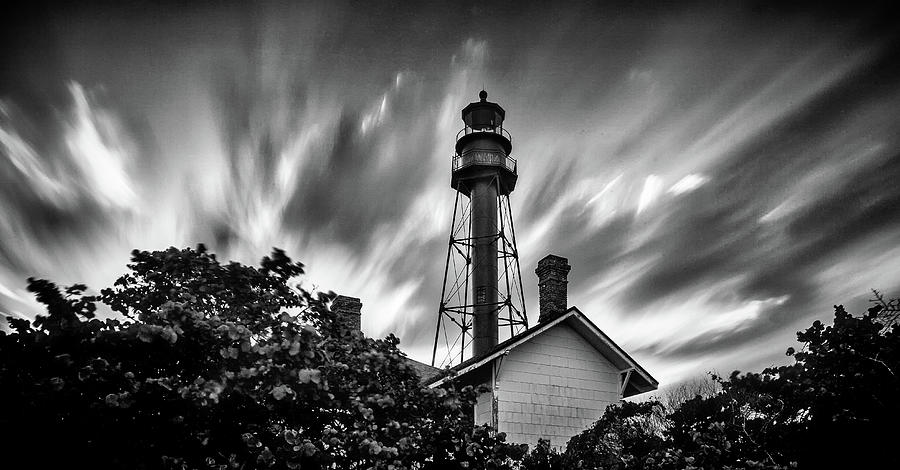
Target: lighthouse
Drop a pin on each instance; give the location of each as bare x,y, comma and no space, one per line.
482,288
549,381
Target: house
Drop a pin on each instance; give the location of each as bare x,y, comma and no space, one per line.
555,379
551,381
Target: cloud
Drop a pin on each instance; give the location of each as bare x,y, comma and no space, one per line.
92,141
688,184
652,188
716,174
65,188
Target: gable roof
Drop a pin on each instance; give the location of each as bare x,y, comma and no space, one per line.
637,379
425,371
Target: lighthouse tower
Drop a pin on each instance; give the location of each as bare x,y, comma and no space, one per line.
482,288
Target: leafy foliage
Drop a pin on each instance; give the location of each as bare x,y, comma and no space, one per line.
543,457
222,366
211,365
834,407
836,404
621,438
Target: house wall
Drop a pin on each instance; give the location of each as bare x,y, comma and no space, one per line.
554,386
483,409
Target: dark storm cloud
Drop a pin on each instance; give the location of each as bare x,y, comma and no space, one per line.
325,128
47,225
32,58
48,194
428,291
351,193
866,203
719,231
346,189
51,197
546,189
592,252
703,346
706,235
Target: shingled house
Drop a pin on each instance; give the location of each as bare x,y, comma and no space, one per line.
552,380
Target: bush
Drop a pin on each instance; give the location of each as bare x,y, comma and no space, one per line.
221,366
834,407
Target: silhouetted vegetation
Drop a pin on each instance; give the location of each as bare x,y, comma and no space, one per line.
230,366
836,406
221,366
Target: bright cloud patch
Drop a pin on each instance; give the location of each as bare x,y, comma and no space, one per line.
688,184
93,142
675,324
651,191
298,129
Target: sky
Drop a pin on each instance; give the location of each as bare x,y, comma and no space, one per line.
719,174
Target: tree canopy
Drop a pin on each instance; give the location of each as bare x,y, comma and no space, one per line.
215,365
836,406
212,365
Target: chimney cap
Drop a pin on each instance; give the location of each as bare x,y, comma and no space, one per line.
348,310
551,258
345,302
552,272
552,265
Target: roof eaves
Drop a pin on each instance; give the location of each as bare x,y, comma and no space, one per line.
501,348
652,383
573,312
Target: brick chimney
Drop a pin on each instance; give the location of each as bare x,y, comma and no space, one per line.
348,309
552,272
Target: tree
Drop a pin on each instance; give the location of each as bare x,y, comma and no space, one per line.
703,386
734,429
834,407
889,312
543,457
221,366
625,437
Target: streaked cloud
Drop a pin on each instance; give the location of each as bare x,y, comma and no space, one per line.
651,191
718,175
92,140
687,184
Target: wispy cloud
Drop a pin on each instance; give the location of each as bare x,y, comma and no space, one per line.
717,175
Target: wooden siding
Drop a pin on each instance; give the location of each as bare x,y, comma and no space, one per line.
554,386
